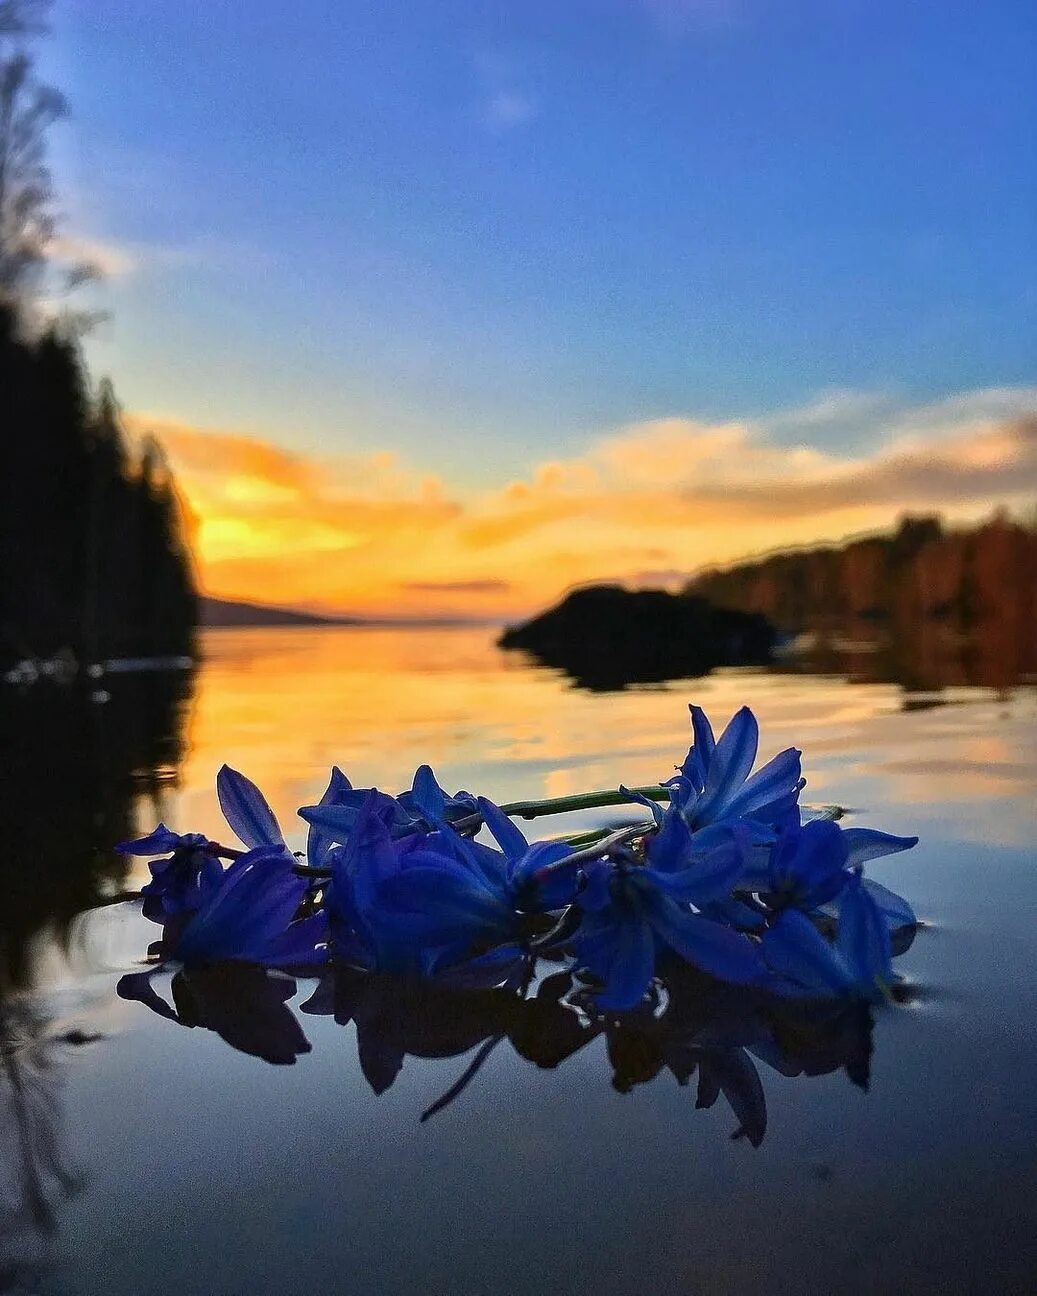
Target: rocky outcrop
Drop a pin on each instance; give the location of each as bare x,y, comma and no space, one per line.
606,637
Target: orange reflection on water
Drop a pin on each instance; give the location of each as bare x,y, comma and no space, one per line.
283,705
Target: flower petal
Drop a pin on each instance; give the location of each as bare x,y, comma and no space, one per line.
794,947
895,909
506,834
631,966
863,937
773,782
696,762
246,809
428,796
318,840
709,946
729,765
863,844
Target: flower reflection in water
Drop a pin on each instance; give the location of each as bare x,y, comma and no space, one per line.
729,928
693,1027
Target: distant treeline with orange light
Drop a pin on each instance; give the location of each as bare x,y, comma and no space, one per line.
94,562
924,579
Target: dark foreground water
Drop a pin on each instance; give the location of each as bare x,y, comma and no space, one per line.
137,1156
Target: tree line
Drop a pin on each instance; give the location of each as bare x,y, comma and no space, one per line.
922,584
94,555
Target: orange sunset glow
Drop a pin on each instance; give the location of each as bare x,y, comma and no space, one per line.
646,504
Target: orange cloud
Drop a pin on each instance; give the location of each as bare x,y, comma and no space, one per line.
368,534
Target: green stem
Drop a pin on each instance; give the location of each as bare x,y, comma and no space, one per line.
582,801
567,804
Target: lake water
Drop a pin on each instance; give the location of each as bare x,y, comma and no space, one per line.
141,1157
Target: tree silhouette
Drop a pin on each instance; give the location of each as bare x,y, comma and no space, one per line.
28,108
93,558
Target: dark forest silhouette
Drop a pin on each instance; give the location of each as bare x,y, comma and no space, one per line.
94,563
93,556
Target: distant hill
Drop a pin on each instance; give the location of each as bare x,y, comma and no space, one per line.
220,613
606,637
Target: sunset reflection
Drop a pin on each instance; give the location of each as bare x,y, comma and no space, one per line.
283,705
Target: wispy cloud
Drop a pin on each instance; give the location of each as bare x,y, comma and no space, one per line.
510,108
645,503
110,259
506,97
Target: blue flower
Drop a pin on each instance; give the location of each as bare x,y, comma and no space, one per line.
180,881
858,963
415,904
811,866
424,806
629,911
250,914
533,878
715,783
807,866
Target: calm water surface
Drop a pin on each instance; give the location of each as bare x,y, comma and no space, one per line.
141,1157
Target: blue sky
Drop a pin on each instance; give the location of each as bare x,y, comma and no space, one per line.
478,232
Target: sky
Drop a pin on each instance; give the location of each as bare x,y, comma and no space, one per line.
442,307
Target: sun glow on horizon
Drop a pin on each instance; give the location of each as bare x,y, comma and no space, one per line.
648,504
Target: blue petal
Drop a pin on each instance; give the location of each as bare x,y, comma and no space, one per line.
697,761
246,809
160,841
771,783
439,898
710,947
639,797
255,901
863,937
428,796
631,966
507,835
734,913
335,819
318,840
865,844
794,947
715,864
302,945
729,766
669,849
596,894
485,971
811,859
539,880
895,909
340,819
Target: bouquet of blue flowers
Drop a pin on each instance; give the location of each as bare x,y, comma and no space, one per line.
725,873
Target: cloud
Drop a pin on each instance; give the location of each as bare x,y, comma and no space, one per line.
509,108
645,503
112,260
